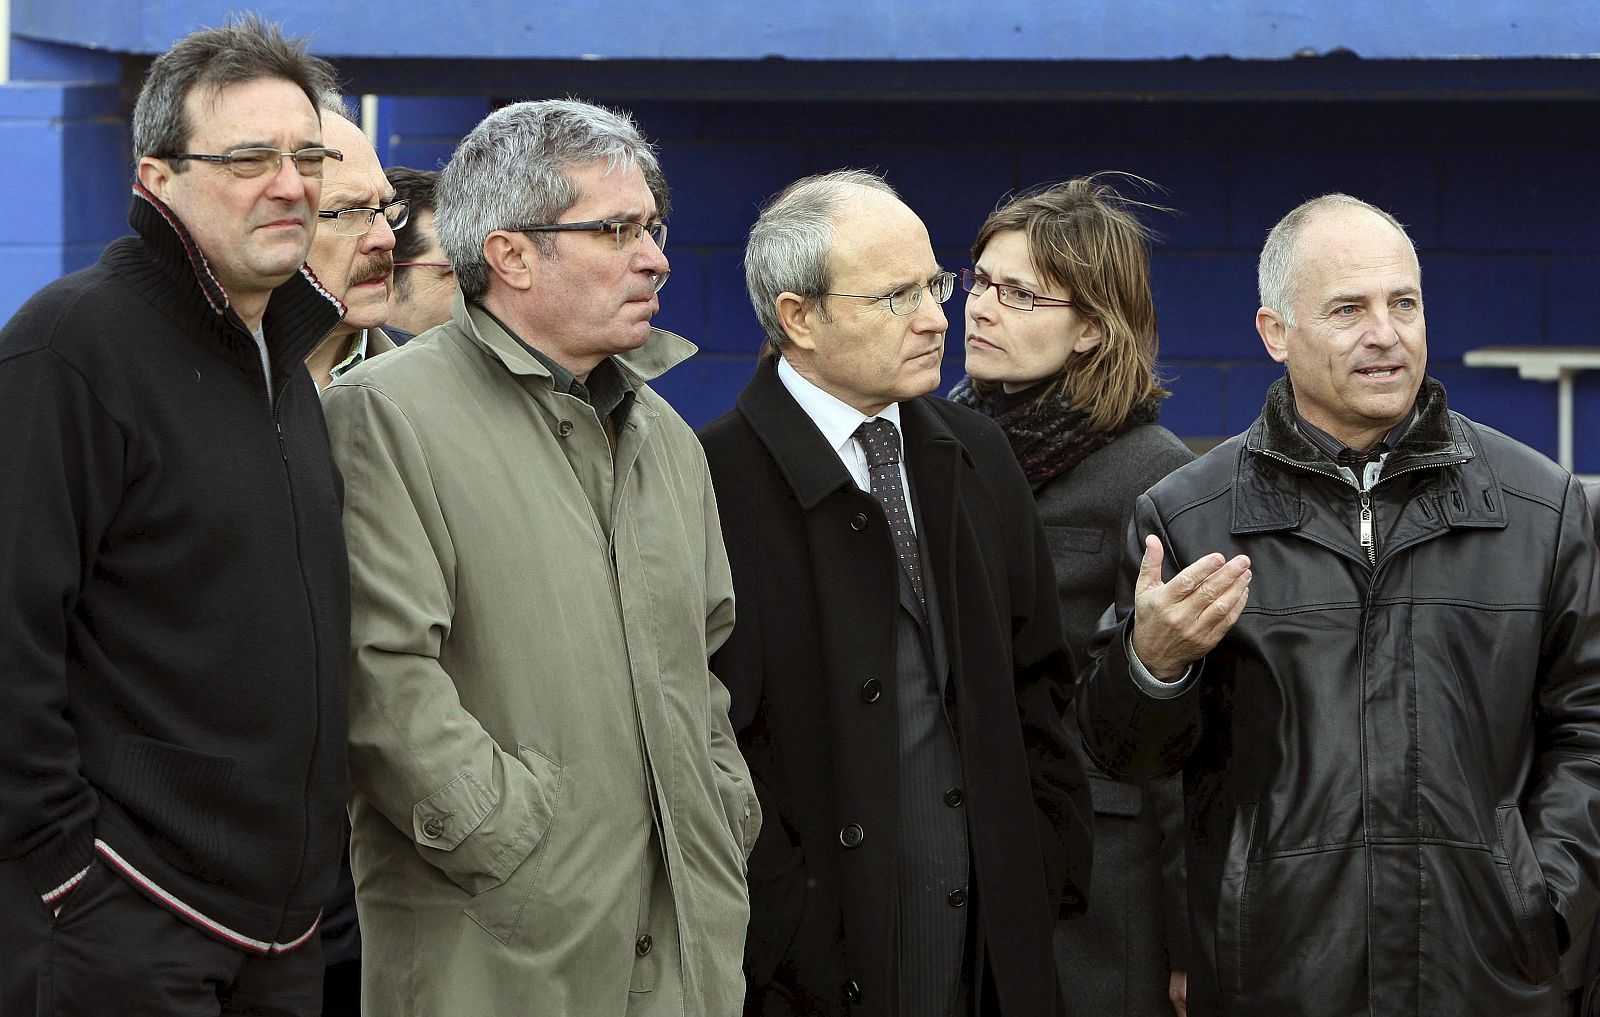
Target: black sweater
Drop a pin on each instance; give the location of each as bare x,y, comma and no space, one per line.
174,646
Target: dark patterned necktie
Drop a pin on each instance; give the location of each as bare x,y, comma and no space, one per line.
881,441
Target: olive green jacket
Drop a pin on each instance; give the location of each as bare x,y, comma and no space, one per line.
550,812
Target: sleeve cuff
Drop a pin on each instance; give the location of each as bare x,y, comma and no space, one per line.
1152,686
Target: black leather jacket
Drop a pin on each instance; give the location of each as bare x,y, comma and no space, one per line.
1392,770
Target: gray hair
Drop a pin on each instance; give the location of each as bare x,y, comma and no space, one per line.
331,100
790,242
512,170
1277,271
246,49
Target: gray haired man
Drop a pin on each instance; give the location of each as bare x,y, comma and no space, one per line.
550,811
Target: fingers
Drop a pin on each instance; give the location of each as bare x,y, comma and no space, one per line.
1150,564
1182,620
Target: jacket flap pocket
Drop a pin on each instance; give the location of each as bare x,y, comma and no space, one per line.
1115,798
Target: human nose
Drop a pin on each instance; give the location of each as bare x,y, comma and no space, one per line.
380,237
649,257
982,305
287,184
929,316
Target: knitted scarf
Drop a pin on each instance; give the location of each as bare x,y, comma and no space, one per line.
1049,437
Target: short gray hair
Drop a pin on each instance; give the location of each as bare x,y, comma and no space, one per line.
246,49
790,242
1278,270
512,170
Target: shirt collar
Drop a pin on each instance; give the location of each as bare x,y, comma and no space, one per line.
356,354
1343,454
607,390
837,420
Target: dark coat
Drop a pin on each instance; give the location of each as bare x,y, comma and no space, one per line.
1115,960
1391,765
809,668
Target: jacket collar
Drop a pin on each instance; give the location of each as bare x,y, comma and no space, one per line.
167,268
1462,487
803,456
661,351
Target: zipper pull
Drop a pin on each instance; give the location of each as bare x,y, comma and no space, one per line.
1366,524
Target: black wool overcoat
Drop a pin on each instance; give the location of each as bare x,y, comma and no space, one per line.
810,667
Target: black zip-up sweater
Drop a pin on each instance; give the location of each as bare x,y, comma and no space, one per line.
175,640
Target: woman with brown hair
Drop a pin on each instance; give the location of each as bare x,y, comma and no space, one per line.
1061,352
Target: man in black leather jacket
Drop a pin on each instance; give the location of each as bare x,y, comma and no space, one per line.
1367,631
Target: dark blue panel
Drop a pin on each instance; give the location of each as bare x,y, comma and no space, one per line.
98,175
1266,182
683,299
952,188
420,153
1195,408
1521,198
1206,305
1526,410
718,190
730,323
705,386
32,60
1245,391
1194,176
1572,301
1586,424
1475,301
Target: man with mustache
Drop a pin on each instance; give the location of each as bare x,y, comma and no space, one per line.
174,650
1367,631
352,254
550,812
898,671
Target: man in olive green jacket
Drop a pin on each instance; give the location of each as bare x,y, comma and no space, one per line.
550,813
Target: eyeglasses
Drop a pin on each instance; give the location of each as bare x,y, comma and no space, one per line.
357,222
1011,296
247,163
908,298
623,229
422,264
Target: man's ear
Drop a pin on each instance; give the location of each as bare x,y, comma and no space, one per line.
511,261
797,316
1274,333
155,175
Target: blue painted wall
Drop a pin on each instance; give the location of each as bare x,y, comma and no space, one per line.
862,29
1491,162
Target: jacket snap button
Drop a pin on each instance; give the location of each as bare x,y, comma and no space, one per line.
952,797
871,690
852,991
432,828
958,898
564,428
858,521
852,835
643,946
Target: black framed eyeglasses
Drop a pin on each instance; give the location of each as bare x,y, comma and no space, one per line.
624,230
1011,296
357,222
908,298
248,163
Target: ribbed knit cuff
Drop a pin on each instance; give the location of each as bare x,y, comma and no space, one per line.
59,860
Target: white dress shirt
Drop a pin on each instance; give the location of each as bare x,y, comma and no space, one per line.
838,421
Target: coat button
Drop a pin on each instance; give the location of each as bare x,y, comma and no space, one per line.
432,828
643,946
852,991
564,428
953,797
852,835
958,898
871,690
858,521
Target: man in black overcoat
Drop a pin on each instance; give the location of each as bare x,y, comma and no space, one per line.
897,671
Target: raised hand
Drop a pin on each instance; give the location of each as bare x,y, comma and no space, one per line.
1179,621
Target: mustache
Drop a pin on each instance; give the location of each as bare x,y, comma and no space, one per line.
375,265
